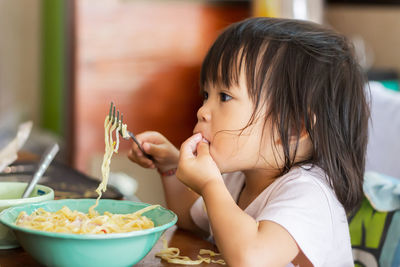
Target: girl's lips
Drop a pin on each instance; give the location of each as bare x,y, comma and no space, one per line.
205,140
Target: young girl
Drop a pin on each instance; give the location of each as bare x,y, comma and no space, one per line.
277,155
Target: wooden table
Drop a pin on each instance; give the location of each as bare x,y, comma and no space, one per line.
188,243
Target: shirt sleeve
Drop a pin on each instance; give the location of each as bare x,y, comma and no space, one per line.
199,215
302,207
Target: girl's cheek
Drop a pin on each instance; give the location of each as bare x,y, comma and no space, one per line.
217,158
215,154
212,152
219,151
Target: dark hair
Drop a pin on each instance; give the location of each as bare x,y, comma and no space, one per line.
309,79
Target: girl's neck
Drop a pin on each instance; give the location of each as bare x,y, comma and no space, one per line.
255,183
258,179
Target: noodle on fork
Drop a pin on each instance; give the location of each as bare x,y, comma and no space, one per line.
68,221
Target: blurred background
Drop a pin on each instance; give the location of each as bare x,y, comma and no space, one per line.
62,63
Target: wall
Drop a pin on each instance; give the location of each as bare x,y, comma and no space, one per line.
19,60
378,25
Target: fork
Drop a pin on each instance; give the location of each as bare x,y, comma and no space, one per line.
112,117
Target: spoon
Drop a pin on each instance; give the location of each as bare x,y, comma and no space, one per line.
45,161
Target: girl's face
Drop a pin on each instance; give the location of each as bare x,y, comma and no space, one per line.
223,115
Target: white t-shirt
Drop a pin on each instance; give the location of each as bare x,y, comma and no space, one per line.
304,204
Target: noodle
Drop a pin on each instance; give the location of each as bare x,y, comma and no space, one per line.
76,222
109,127
172,255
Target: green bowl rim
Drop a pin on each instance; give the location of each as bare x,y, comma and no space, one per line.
15,227
23,201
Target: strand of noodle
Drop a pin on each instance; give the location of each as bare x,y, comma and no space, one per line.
107,125
124,131
220,261
110,153
172,255
117,136
105,167
209,252
139,212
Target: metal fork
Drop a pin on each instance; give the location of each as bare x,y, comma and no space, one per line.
112,117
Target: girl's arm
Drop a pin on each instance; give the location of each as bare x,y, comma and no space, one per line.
240,239
178,197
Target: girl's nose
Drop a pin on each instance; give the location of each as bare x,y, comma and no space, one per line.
203,114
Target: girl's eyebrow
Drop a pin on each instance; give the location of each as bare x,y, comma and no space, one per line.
221,87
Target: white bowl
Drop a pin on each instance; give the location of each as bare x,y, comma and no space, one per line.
10,196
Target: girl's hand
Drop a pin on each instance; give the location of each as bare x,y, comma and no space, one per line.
165,154
196,167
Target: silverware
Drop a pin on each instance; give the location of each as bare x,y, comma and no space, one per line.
112,117
44,163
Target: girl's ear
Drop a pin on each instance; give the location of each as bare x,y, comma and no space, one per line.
292,138
303,136
304,146
292,141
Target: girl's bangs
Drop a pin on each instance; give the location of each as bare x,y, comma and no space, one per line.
233,55
222,67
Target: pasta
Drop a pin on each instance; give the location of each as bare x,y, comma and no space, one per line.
172,255
68,221
76,222
110,148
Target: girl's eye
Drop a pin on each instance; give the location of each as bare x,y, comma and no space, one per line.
225,97
205,95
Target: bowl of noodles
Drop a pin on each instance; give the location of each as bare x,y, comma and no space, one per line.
67,233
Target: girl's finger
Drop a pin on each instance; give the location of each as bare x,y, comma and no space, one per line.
151,149
135,150
139,159
203,148
132,155
149,137
188,147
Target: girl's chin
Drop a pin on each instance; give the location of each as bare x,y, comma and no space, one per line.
227,165
223,163
218,163
222,166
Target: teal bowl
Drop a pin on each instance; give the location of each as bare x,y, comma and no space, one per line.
61,249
